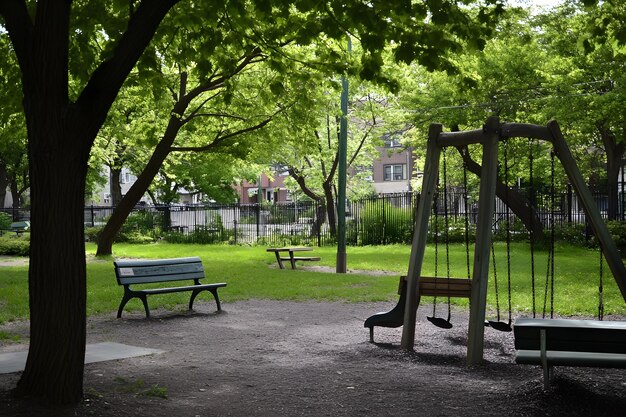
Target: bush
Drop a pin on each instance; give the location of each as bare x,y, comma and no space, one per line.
571,233
386,224
618,231
14,246
456,230
5,220
92,233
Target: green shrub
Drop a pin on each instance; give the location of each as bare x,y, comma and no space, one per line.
14,246
5,220
456,230
571,233
618,231
144,222
386,224
92,233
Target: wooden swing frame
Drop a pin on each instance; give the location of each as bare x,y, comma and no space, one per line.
489,136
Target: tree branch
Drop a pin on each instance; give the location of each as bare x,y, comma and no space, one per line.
224,115
102,89
218,140
299,178
20,27
358,149
214,83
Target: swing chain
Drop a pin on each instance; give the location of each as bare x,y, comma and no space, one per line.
601,290
532,204
447,227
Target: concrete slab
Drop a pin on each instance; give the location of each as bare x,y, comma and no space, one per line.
99,352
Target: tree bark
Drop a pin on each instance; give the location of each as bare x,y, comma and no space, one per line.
60,136
331,213
4,183
614,156
519,205
140,186
116,187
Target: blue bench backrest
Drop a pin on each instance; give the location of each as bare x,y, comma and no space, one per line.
161,270
20,225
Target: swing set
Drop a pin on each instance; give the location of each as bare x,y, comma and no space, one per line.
474,287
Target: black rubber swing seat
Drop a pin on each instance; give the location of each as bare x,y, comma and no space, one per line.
440,322
499,325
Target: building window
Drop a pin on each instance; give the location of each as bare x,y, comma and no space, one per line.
396,172
392,142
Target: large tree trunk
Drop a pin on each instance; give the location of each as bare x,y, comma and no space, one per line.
57,168
60,137
4,183
614,155
140,187
331,212
519,205
57,285
116,187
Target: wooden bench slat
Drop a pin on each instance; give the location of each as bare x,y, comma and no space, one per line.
179,289
159,278
444,287
154,262
572,358
302,258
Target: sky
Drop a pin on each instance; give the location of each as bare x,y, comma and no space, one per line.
538,3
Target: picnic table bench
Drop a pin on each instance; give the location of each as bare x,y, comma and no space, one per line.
17,227
135,272
561,342
280,255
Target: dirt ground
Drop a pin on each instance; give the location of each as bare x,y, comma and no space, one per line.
268,358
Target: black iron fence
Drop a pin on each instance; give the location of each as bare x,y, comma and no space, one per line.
386,219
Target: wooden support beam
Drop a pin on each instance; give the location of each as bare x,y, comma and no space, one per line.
480,275
609,249
420,232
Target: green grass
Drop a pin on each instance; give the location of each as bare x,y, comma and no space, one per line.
251,273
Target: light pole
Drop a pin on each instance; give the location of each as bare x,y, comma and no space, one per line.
342,264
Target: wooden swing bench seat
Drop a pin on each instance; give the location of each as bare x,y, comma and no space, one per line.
562,342
428,286
137,272
444,287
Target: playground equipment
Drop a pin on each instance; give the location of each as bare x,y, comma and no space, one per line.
415,285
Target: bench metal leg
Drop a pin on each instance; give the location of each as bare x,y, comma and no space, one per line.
144,299
547,369
129,296
213,291
293,261
548,374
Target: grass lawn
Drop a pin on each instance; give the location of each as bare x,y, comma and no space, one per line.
251,273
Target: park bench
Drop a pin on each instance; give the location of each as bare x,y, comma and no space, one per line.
560,342
17,227
280,255
137,272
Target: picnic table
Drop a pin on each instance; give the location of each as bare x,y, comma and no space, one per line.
282,252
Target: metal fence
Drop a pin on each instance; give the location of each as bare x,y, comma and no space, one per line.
386,219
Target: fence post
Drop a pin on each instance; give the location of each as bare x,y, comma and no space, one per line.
569,203
258,221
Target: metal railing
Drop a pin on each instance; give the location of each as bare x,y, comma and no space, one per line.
385,219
